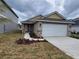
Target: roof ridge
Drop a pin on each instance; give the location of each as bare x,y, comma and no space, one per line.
33,17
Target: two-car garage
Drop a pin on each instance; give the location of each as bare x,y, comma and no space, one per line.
49,29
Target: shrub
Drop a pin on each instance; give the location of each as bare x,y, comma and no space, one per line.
27,41
78,33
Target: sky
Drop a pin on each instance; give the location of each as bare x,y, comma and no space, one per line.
26,9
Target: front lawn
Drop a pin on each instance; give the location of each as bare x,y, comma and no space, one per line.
41,50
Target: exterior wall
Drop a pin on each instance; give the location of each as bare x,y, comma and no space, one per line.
8,26
38,29
74,28
1,28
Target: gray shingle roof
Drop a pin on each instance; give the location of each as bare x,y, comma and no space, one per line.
46,19
76,21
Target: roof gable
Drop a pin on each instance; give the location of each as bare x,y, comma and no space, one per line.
55,16
38,17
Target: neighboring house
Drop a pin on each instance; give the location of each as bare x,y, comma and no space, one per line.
75,27
9,14
53,24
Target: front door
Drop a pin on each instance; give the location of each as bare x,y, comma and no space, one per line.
30,28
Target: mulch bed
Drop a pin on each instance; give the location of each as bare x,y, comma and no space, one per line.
27,41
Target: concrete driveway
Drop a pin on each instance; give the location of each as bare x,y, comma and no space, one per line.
68,45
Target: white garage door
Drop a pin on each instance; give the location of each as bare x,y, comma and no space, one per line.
54,30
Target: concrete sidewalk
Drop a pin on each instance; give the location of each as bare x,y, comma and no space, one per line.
68,45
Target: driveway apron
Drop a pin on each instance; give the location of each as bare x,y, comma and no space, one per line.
68,45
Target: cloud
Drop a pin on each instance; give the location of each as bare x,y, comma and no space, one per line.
71,5
57,5
28,8
74,14
33,6
22,16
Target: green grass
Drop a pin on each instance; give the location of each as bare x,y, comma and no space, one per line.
75,36
42,50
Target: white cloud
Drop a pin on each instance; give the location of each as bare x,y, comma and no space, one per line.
28,8
21,14
57,5
52,2
74,14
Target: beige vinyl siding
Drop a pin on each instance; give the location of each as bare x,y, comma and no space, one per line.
38,29
55,16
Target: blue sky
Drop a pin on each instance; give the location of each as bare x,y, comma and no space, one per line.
28,8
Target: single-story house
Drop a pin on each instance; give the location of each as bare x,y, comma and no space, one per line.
53,24
75,27
6,13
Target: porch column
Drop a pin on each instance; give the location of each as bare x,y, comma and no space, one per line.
69,30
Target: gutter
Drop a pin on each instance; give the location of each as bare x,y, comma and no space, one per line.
9,8
66,22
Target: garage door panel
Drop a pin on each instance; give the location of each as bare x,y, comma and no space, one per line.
54,30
